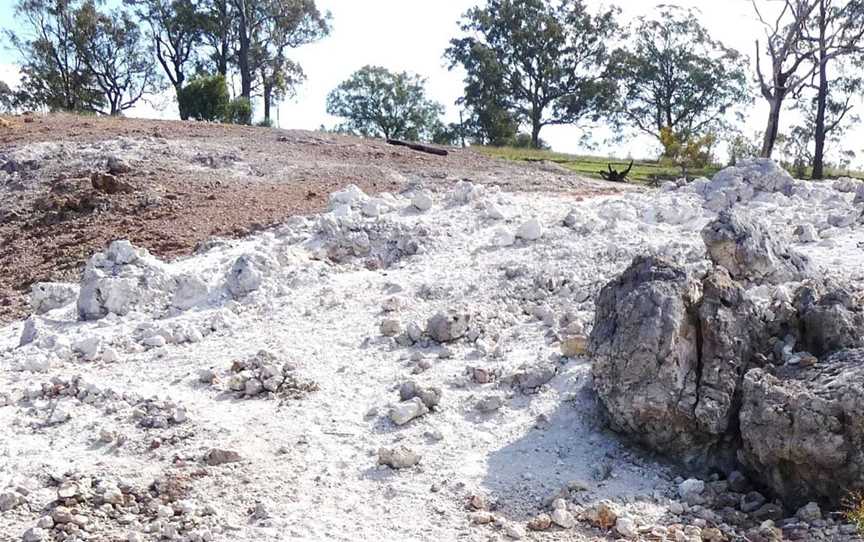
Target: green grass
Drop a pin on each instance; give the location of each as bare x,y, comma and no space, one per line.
643,170
590,166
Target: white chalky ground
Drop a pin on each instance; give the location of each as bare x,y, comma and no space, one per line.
311,462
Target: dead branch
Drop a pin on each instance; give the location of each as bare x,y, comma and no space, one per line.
418,147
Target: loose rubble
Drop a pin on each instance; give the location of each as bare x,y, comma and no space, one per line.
445,364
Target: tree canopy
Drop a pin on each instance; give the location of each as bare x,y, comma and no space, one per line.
379,103
543,62
675,77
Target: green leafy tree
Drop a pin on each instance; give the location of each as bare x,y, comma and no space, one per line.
836,30
741,147
7,98
115,55
287,24
379,103
488,121
544,62
205,98
54,72
801,144
238,111
175,29
219,34
265,29
676,79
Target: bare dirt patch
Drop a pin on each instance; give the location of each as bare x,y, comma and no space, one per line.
193,181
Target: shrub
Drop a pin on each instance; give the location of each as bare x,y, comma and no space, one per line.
239,111
687,151
204,98
523,141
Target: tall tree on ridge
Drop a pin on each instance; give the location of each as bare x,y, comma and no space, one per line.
548,59
176,28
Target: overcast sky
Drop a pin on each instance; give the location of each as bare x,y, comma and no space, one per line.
413,34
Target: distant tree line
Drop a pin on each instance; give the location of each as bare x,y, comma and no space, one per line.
79,56
528,64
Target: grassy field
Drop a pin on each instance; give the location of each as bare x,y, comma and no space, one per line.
590,166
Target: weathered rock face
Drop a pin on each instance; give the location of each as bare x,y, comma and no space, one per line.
803,429
742,245
829,322
645,349
683,368
122,279
729,330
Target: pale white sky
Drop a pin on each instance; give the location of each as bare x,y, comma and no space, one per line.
413,34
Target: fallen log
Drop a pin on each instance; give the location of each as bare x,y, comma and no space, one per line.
617,176
418,147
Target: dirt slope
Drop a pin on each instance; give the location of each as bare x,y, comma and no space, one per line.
193,181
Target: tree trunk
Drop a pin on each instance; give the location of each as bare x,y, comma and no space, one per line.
822,101
773,126
535,133
178,90
268,91
243,54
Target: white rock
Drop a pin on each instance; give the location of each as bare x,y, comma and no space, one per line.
88,348
123,252
33,328
514,531
626,527
406,411
58,416
530,230
112,495
422,200
351,195
34,534
494,212
110,355
502,237
490,404
244,277
371,209
37,362
191,291
9,500
691,488
562,518
400,457
807,233
47,296
155,341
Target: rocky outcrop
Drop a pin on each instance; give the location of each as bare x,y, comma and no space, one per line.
645,349
699,371
803,428
744,248
121,279
730,334
829,321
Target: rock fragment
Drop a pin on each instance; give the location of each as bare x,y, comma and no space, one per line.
530,230
602,514
422,200
400,457
216,456
447,327
404,412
